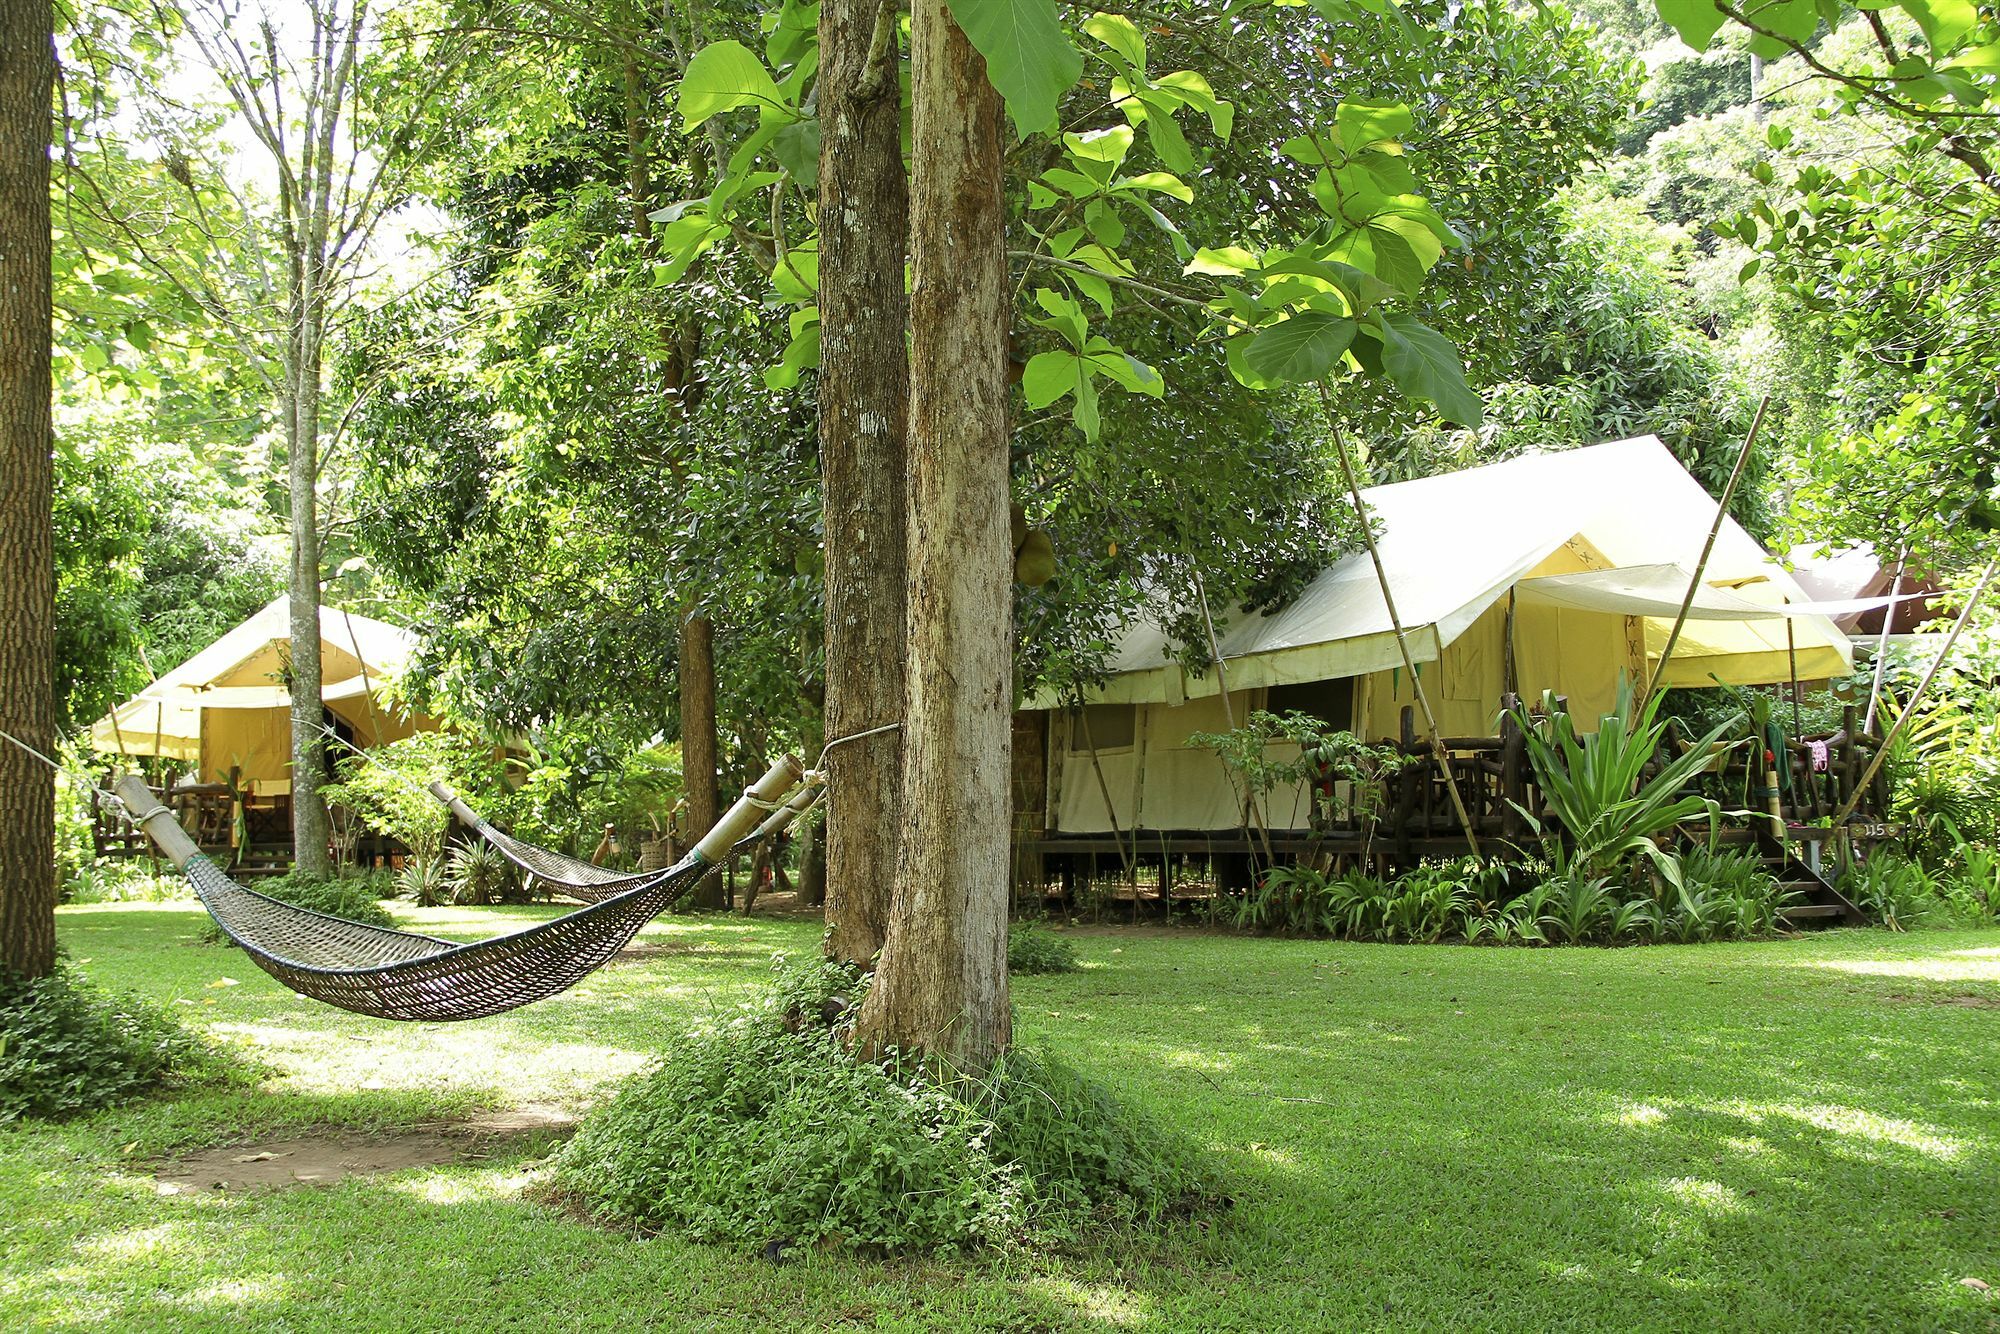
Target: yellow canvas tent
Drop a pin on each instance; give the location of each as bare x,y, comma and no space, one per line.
1572,565
227,707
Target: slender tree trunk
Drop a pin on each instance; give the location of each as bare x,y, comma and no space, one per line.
697,685
310,827
27,479
695,661
941,986
863,441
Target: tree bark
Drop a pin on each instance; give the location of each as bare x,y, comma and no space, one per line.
310,826
941,986
27,480
697,688
863,423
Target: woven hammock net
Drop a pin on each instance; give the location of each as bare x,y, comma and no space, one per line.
390,974
572,878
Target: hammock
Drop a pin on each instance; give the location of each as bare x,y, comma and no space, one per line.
581,880
391,974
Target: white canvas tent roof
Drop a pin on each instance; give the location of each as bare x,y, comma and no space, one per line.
1453,545
165,717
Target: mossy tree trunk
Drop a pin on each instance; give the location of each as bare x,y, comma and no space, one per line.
27,479
863,394
941,987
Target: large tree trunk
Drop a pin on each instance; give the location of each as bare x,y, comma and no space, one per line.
863,425
27,480
941,987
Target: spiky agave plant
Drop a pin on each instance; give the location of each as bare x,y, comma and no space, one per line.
1596,786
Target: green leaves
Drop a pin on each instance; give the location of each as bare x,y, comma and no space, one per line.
1697,21
1425,365
1074,369
1029,58
1302,348
721,77
1945,22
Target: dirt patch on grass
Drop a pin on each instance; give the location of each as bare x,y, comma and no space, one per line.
1969,1002
323,1159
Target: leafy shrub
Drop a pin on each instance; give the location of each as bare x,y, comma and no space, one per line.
122,880
1893,890
1725,893
68,1047
761,1130
1974,884
1083,1156
354,896
1030,949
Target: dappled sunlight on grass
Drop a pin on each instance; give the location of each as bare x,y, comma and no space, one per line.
460,1185
1099,1303
1732,1135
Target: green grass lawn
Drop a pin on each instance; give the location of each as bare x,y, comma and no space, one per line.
1798,1134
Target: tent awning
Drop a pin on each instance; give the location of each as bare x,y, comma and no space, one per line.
1657,591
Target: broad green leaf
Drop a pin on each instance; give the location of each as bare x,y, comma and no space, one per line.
1945,22
1167,140
1978,60
1697,21
1029,58
1050,375
1233,350
1225,261
1094,287
801,354
1104,223
1421,240
1182,250
1194,90
1300,349
683,242
1085,413
796,276
1121,35
721,77
1366,124
1382,253
796,147
1125,370
1073,183
793,28
1107,145
1425,365
1160,181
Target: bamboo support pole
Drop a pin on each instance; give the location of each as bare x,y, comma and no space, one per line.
1256,815
1923,687
1438,754
1707,549
1882,644
1104,789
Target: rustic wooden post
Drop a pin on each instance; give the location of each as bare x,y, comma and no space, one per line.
1513,751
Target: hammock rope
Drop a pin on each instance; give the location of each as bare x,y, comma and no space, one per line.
392,974
589,883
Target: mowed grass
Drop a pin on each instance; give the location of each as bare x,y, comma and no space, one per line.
1796,1134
